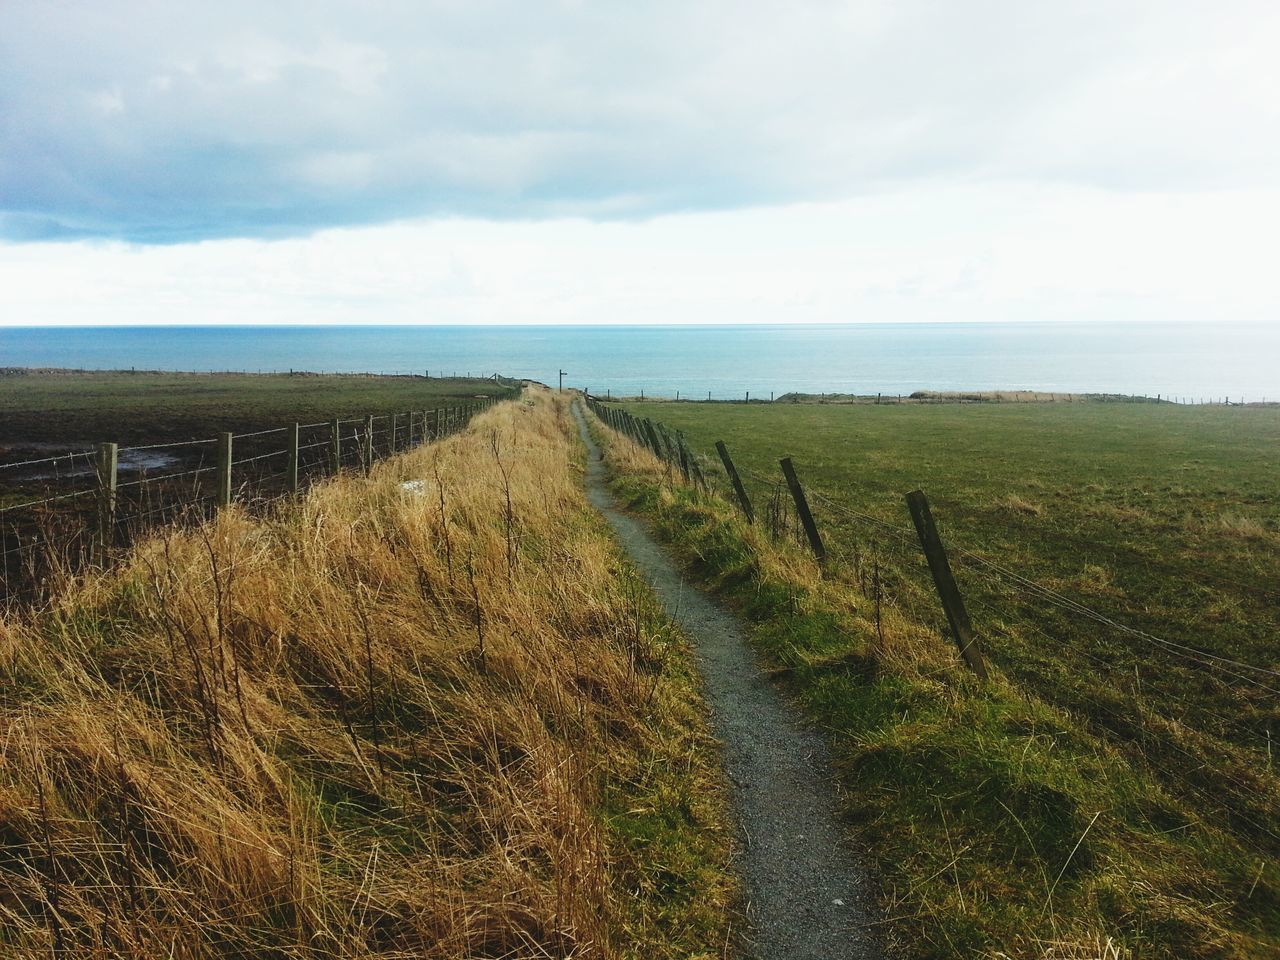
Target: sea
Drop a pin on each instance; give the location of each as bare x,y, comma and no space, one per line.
1182,361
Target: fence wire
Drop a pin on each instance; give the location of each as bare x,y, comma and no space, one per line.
48,537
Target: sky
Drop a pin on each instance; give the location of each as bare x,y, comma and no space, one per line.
480,161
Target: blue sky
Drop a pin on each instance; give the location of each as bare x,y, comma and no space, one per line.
505,162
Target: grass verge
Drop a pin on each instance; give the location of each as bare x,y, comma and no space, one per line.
426,713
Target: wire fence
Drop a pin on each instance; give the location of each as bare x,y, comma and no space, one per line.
78,509
1200,720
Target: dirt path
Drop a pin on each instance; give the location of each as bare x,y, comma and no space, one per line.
806,894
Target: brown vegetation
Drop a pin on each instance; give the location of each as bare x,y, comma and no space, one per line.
420,714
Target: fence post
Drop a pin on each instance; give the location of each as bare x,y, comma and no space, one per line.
367,453
948,592
802,508
653,438
738,488
291,470
224,469
395,429
684,456
335,446
108,471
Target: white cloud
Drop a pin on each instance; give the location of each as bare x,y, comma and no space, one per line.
183,120
976,252
725,160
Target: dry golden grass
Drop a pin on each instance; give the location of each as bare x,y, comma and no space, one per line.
386,721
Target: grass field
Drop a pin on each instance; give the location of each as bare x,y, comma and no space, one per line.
173,418
86,407
1159,517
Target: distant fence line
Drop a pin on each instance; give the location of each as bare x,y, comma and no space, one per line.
425,374
1251,688
62,532
920,397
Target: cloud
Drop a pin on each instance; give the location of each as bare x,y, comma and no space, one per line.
171,121
965,253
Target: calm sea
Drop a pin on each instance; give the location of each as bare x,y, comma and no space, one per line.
1178,360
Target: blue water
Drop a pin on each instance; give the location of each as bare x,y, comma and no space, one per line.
1178,360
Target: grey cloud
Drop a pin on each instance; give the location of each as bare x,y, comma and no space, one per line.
167,121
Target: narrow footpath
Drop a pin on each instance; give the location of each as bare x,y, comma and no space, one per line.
807,897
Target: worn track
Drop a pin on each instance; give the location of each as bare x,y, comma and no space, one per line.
806,894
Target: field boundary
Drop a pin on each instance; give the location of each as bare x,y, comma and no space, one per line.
49,537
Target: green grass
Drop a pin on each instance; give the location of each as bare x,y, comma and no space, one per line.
1158,515
78,407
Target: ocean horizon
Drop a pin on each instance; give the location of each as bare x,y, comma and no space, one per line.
1190,361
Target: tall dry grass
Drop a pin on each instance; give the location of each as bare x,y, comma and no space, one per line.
380,723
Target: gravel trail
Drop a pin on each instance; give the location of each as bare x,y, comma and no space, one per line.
807,896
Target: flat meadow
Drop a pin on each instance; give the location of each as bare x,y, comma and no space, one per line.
1120,564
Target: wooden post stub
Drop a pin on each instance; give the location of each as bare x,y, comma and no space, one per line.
948,592
684,456
335,446
224,469
743,500
802,509
367,452
652,434
108,472
291,469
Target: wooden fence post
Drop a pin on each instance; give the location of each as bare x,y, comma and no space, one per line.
335,446
684,456
653,438
948,592
395,429
108,472
802,508
743,500
367,454
291,469
224,469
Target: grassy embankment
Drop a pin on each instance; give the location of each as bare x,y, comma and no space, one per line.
1101,786
433,721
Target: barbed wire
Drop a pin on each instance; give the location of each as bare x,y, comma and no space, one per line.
147,480
261,456
166,446
70,455
54,499
260,433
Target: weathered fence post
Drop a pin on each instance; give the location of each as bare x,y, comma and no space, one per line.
802,508
291,469
738,488
683,453
335,446
367,452
108,471
224,469
395,429
948,592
